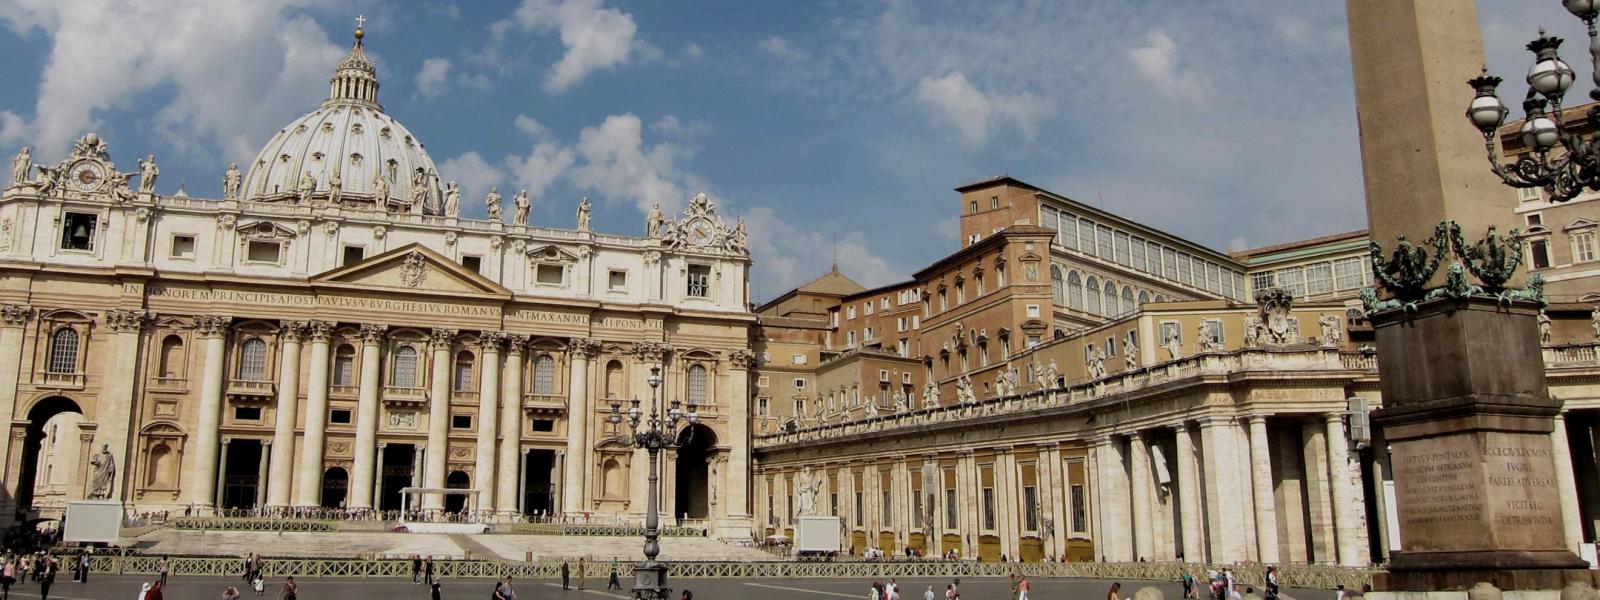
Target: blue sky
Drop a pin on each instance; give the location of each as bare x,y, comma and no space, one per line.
828,124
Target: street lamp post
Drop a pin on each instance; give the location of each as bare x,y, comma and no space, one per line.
650,577
1565,174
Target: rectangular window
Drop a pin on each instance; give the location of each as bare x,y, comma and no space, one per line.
1264,280
887,512
1123,250
799,407
1138,249
1213,278
866,334
1169,264
1583,246
1528,194
973,207
78,231
1227,284
833,504
183,247
1069,231
1111,347
994,202
543,426
1292,279
1030,508
917,515
1086,237
699,283
861,504
353,255
247,413
1170,330
950,509
1319,278
915,321
339,416
549,274
761,407
1540,250
461,421
1033,311
1080,516
1184,275
866,308
850,313
904,347
988,508
617,281
798,359
799,383
1215,327
472,263
1346,273
1103,238
263,252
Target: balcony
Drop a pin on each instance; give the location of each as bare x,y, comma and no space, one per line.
62,381
544,404
245,390
395,396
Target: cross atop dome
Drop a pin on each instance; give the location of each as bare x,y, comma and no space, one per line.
361,22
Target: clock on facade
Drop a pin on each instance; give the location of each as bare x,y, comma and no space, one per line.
701,231
86,175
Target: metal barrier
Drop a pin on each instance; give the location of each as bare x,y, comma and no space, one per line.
251,524
600,530
1292,576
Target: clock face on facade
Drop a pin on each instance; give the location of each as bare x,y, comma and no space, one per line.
701,231
86,176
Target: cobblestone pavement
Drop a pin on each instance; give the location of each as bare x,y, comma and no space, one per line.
115,587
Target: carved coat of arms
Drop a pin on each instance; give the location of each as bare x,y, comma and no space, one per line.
415,270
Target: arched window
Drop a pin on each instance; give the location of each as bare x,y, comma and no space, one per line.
253,360
615,386
171,357
1127,299
544,375
1161,297
1093,294
1144,298
463,378
405,367
1074,291
1056,284
1112,309
697,384
344,365
64,351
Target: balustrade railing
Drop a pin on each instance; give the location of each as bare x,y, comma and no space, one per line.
1572,355
58,380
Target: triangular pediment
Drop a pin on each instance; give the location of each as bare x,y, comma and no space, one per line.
1581,223
412,267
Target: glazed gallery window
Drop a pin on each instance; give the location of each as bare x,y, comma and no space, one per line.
860,507
344,366
1540,250
405,367
1583,246
63,351
699,282
253,360
544,375
950,509
463,371
988,508
886,504
78,231
697,384
1030,508
1080,517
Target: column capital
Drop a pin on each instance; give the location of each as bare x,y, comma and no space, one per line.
741,358
583,347
1180,427
319,331
1253,419
491,341
1215,420
15,315
292,331
1330,418
127,321
372,333
212,326
516,343
441,338
225,440
652,352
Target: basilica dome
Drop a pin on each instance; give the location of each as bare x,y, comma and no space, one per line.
348,140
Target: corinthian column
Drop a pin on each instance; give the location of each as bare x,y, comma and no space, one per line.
438,418
366,449
578,411
1261,478
1143,512
116,402
281,467
310,476
1223,510
1189,497
506,489
1349,525
202,475
488,402
13,319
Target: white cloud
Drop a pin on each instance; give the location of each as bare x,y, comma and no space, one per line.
618,165
596,38
789,254
13,128
531,126
779,47
693,51
543,164
473,173
229,71
973,113
433,76
1157,60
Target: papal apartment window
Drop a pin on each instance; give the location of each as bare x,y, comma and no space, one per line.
472,263
1540,250
78,231
798,359
263,252
543,426
799,383
762,381
183,247
549,274
617,281
1528,194
699,282
1534,219
339,416
353,254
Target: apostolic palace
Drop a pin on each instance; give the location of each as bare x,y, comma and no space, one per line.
1068,384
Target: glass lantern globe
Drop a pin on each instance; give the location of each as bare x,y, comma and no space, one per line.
1550,77
1487,113
1583,9
1540,133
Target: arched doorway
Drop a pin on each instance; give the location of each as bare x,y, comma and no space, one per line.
456,480
38,418
691,493
335,484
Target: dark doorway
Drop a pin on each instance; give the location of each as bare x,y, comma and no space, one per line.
691,495
241,475
537,494
335,484
397,464
456,480
31,442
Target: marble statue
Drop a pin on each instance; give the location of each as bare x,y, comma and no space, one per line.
419,192
1173,346
335,188
1544,328
380,190
20,165
1594,322
492,203
1130,356
1053,374
520,217
1331,334
738,241
900,402
1039,378
105,474
930,395
230,182
805,496
872,407
308,184
964,391
452,200
1252,331
1208,337
583,215
1096,363
119,187
652,223
715,476
147,175
48,178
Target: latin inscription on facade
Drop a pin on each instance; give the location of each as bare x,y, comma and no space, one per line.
1464,491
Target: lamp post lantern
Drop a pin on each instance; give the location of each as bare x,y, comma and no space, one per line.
652,434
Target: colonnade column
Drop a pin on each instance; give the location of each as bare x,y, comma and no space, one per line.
1223,510
281,467
213,330
1349,528
116,406
488,403
310,484
261,474
578,410
506,489
441,342
1142,512
1116,541
366,459
1566,485
13,320
737,502
1261,478
1189,497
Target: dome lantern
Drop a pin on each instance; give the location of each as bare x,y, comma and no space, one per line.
356,79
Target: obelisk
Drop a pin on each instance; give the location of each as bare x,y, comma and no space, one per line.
1466,412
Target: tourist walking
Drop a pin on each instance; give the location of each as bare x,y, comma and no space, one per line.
1272,583
872,592
928,595
433,588
83,566
583,564
416,569
614,582
8,576
1022,588
232,593
47,576
566,576
1116,592
155,593
427,570
1188,584
164,567
506,591
290,591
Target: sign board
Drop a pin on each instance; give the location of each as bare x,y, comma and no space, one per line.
93,521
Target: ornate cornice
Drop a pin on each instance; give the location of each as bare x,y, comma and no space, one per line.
212,325
372,333
441,338
15,315
130,321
